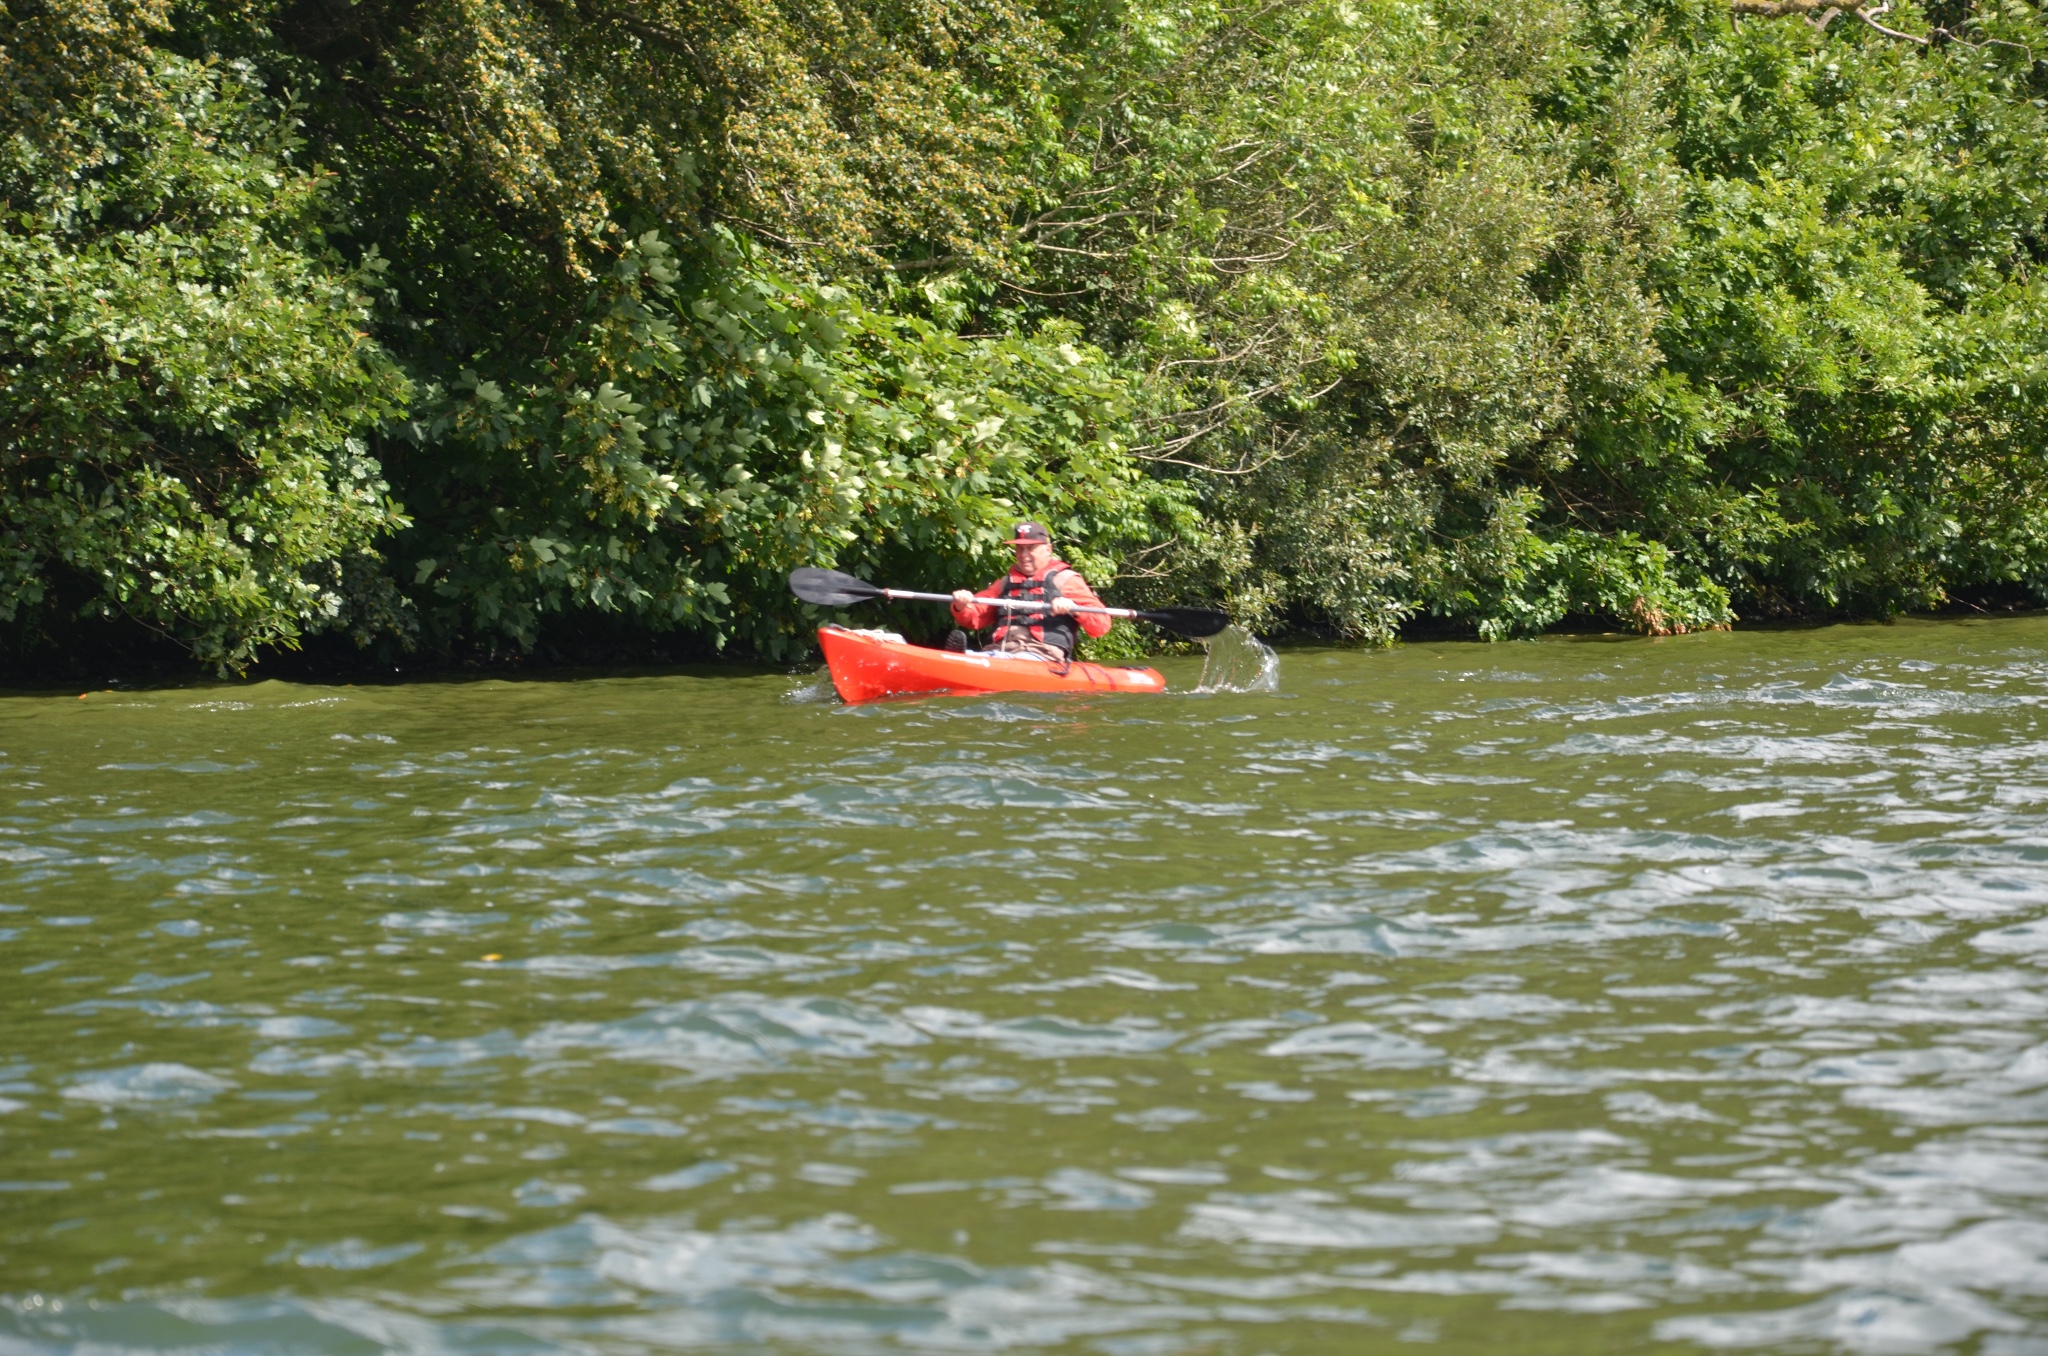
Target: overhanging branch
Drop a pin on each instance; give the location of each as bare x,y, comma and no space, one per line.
1820,13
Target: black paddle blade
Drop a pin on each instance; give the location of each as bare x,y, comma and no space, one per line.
829,588
1196,623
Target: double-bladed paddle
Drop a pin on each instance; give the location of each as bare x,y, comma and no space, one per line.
830,588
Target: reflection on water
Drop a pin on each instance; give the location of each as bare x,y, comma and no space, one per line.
1586,995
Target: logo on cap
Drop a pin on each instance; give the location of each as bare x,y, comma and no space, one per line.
1028,532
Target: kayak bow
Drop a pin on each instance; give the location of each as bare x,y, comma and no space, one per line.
866,665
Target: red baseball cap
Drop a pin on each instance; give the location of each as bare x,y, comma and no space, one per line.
1029,533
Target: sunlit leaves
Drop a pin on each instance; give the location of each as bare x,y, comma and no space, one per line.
712,425
184,377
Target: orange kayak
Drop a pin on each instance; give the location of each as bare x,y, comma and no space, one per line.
866,665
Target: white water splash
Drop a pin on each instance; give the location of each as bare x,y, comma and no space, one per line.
1239,662
815,692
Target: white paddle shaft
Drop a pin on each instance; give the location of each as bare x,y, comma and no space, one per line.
1013,604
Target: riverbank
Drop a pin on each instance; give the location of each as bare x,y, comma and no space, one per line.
614,650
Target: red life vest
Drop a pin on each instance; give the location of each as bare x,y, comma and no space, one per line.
1041,626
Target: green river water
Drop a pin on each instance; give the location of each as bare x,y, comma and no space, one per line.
1581,995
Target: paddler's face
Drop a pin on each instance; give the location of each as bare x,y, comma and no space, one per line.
1032,556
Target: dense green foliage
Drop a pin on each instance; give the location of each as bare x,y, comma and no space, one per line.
1509,313
708,428
187,379
443,326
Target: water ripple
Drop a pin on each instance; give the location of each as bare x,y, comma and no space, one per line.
1584,994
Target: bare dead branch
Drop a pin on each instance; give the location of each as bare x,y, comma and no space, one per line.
1227,403
1889,32
1820,13
1870,17
1241,469
761,229
1085,254
1779,9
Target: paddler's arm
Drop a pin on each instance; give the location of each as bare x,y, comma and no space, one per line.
1074,592
970,614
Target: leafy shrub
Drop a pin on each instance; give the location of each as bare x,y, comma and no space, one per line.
185,373
711,425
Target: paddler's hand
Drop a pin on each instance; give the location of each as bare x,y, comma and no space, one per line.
1063,607
962,599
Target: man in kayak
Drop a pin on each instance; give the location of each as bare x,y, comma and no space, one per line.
1036,577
